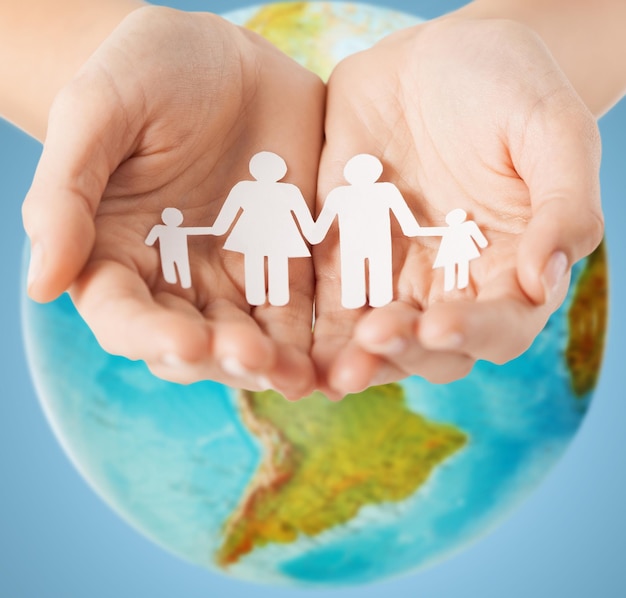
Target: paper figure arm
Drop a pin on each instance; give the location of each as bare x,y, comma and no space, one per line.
430,231
409,225
153,235
199,230
325,219
229,211
302,213
478,236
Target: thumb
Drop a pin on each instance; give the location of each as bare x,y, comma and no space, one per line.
560,163
86,140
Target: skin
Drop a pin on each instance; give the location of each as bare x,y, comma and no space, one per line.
172,105
520,153
141,128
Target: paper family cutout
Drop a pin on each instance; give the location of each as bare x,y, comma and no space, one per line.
265,213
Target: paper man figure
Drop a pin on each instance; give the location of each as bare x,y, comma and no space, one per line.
266,228
363,208
458,247
173,246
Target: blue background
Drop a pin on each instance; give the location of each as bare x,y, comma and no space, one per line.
59,540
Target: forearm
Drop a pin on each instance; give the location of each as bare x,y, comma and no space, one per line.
586,38
42,45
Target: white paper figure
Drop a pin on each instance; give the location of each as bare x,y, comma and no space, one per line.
173,246
363,208
458,247
266,228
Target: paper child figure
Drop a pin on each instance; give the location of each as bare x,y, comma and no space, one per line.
266,228
458,247
173,246
363,208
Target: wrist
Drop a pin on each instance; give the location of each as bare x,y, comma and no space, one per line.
586,39
48,43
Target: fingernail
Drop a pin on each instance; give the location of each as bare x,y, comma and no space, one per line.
36,264
172,360
233,367
555,271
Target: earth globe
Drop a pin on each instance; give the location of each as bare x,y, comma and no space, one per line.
315,493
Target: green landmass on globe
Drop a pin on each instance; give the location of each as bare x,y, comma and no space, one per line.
587,324
325,461
288,24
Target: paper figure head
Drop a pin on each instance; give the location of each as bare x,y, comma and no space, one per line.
456,217
363,169
268,167
172,217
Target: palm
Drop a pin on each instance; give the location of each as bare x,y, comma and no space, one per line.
186,144
438,122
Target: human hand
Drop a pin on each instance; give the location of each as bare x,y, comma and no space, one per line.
169,110
473,114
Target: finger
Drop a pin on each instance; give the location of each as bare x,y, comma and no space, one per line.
242,350
436,367
332,332
498,327
293,373
391,333
291,328
119,308
352,371
87,137
239,353
190,373
389,330
208,367
559,161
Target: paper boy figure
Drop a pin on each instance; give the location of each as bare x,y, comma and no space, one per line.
173,246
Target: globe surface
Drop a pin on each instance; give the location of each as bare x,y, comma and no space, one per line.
318,493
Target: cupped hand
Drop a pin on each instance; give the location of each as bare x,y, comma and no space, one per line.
471,114
168,112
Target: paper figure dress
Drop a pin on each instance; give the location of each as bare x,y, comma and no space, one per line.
460,241
265,212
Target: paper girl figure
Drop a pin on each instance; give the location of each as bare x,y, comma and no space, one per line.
173,246
363,209
266,228
458,247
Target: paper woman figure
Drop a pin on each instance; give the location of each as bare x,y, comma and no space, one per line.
363,209
458,247
173,247
266,229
